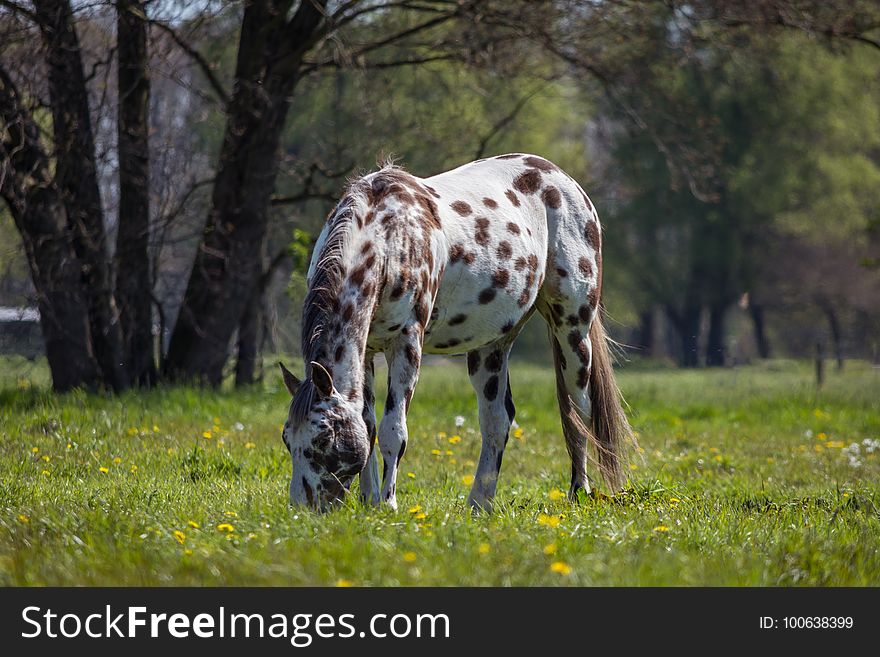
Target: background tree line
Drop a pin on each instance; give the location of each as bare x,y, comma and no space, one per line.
164,164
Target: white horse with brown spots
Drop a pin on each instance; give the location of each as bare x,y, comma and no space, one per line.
451,264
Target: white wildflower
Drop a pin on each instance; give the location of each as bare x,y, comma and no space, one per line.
459,420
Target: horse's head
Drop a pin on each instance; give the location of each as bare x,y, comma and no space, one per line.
326,437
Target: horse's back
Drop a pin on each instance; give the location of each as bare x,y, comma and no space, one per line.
512,223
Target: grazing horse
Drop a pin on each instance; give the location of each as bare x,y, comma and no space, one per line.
452,264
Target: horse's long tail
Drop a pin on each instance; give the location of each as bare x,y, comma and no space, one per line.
611,432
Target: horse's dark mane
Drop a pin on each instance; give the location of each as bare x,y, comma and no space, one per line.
322,297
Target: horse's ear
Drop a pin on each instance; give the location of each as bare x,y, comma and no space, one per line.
290,381
322,379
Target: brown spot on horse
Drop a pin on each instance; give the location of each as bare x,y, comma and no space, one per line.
462,208
594,237
585,266
512,197
500,278
551,197
528,181
486,295
481,234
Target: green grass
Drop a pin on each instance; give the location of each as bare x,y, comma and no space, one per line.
742,481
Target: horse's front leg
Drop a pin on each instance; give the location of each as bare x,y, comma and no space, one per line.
370,481
404,358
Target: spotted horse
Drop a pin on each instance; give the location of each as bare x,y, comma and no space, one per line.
451,264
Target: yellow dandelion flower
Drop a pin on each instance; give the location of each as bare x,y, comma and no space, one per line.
442,434
69,446
420,516
410,475
560,567
343,583
188,552
45,457
133,469
436,452
835,444
179,536
548,521
454,440
206,435
549,549
483,548
449,452
117,460
23,519
225,527
409,557
518,433
467,480
103,470
231,514
249,445
155,428
415,509
718,458
45,473
822,436
661,528
193,524
35,449
556,494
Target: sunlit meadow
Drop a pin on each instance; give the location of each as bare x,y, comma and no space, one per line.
746,476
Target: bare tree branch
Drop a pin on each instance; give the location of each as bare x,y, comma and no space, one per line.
198,58
504,122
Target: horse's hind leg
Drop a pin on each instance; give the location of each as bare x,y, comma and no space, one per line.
487,368
569,328
572,356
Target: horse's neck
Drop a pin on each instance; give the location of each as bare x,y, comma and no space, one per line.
342,343
343,355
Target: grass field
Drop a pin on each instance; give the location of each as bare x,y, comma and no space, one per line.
746,477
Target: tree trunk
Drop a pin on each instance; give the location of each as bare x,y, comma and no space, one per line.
35,204
227,266
689,334
250,340
133,280
836,333
77,181
761,342
646,333
715,339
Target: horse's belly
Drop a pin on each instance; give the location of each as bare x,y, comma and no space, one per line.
476,307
